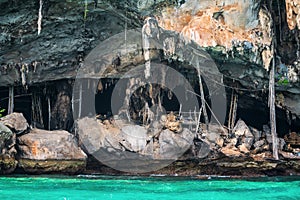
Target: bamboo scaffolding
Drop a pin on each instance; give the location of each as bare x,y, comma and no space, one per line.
272,111
10,100
49,113
203,105
80,101
36,110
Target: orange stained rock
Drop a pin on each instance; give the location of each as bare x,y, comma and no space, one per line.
293,13
34,148
208,27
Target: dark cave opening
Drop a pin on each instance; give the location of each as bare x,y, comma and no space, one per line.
22,101
108,96
255,113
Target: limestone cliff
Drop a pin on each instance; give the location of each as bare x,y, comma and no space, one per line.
237,34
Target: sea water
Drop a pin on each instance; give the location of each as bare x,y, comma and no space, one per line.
162,188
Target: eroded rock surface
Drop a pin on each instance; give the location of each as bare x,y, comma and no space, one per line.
8,162
42,151
16,122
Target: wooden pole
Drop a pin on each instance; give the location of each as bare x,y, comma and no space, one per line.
234,110
73,97
49,114
199,118
10,100
230,112
36,109
33,116
272,111
203,104
80,100
272,95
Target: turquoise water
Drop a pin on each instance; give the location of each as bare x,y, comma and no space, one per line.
162,188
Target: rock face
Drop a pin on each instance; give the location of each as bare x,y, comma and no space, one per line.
243,134
135,136
172,145
43,151
292,14
213,22
7,150
166,144
16,122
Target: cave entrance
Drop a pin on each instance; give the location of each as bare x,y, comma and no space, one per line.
22,101
154,97
255,113
45,106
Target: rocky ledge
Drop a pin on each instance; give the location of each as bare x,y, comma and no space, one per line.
244,151
37,151
43,151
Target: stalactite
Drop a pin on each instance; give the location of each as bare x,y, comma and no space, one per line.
24,71
128,92
146,47
160,102
100,86
149,31
170,94
39,22
180,109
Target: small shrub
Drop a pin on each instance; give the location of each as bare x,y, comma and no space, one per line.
2,110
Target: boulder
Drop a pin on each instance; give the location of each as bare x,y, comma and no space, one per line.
259,146
135,136
241,129
259,143
7,150
244,148
16,122
281,143
292,139
42,151
174,145
244,135
256,133
267,133
216,128
215,138
231,151
149,149
232,142
94,135
248,141
201,149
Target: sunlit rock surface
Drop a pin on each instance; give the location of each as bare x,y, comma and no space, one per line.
42,151
293,13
